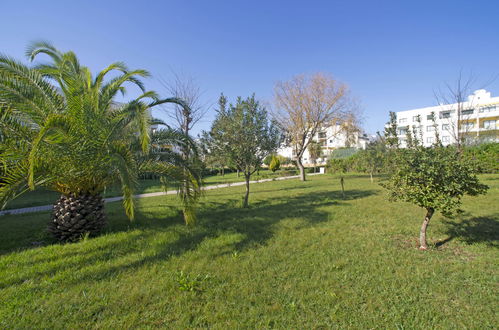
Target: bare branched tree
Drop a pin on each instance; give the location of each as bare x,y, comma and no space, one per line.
185,114
351,127
457,102
185,88
306,104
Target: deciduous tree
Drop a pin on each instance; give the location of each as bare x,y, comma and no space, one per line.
305,104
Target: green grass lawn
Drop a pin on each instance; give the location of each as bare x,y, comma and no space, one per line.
44,197
300,257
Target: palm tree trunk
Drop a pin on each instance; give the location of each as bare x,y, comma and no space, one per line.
422,232
75,215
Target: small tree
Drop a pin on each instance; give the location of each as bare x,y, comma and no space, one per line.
391,139
213,154
374,157
275,164
268,160
243,135
315,152
433,178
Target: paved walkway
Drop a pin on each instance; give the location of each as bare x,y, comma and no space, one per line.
159,193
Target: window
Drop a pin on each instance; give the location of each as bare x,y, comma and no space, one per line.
402,120
467,112
445,114
445,127
402,131
445,139
489,124
430,139
415,119
488,109
330,141
430,128
429,117
468,125
322,135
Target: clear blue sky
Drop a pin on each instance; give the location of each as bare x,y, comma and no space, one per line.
392,54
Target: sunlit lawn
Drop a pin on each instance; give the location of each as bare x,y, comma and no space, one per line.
45,197
300,257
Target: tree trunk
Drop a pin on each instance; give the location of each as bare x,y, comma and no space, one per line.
246,196
371,175
302,169
75,215
422,232
342,181
223,171
238,173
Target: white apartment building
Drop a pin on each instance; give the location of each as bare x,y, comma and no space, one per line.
331,138
478,122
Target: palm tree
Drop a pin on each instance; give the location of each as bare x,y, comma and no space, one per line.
62,128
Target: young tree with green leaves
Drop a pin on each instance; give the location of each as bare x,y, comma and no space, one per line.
275,163
434,178
374,157
243,134
63,130
391,138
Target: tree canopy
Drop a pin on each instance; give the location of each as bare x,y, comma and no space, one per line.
243,135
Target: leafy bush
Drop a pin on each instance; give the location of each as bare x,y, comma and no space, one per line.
275,164
341,153
484,157
337,165
284,160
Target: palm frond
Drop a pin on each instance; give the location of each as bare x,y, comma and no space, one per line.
125,162
43,47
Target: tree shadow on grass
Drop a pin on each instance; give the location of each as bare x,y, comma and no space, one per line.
253,226
474,230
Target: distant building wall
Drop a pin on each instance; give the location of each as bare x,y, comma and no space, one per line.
331,138
479,121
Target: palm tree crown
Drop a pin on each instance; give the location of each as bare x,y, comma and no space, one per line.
60,127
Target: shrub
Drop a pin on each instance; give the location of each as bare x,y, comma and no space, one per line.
275,164
484,157
337,165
